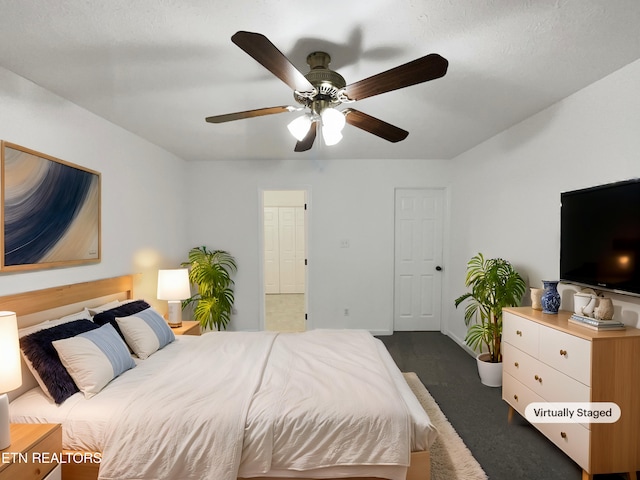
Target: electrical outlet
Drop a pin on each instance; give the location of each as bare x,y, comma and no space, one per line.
346,312
344,243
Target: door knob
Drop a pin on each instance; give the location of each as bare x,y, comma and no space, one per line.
439,268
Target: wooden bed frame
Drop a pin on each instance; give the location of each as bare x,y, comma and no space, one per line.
39,305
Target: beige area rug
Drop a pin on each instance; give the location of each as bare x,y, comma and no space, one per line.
450,457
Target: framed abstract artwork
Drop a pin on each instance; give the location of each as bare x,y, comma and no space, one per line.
50,211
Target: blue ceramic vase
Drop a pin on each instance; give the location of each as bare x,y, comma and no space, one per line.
550,298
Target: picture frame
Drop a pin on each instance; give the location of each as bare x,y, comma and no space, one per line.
50,211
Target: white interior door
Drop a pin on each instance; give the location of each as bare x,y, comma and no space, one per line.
271,251
418,258
301,255
291,249
287,234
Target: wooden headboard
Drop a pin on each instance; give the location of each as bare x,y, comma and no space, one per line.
55,302
66,299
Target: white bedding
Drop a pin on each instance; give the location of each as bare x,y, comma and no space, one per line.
298,422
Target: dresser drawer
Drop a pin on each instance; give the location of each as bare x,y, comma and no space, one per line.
545,381
567,353
520,333
516,394
517,363
572,438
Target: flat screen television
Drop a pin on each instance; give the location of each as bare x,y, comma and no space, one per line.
600,237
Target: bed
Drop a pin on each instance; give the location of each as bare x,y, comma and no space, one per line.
182,412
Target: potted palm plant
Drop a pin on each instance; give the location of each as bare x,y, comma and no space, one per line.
210,271
494,284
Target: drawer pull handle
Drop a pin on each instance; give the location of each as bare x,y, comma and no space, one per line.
563,353
539,379
516,364
515,397
519,332
563,434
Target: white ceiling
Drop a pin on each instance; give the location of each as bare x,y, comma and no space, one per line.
159,67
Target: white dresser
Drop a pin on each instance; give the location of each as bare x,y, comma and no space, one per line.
548,359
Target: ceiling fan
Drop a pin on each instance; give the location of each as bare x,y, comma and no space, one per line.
321,90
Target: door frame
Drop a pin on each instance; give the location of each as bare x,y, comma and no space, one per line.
307,243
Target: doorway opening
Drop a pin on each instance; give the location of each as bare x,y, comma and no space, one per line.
284,252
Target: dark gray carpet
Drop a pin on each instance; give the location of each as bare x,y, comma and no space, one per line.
506,451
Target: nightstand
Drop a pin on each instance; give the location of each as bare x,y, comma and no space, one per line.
189,327
34,452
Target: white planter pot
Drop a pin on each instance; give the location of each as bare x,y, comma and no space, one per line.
490,373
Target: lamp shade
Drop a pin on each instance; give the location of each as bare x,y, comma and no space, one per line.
331,136
10,372
333,119
173,284
299,127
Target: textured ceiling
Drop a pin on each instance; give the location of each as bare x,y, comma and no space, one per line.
159,67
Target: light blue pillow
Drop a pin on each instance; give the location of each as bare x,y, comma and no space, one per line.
145,332
94,358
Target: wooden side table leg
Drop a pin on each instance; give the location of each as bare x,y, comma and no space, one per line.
510,414
586,476
632,475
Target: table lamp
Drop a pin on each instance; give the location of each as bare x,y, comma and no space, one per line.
10,372
173,285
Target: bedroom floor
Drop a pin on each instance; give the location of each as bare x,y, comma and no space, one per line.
506,451
284,312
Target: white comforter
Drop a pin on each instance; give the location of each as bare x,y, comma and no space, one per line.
194,428
326,399
222,405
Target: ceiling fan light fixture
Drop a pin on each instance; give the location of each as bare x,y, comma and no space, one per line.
333,119
321,90
300,126
331,136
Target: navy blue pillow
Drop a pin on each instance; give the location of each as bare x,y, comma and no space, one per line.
38,348
124,310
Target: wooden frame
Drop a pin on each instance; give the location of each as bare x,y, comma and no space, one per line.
49,211
67,298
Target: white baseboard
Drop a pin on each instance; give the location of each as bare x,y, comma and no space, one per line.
461,342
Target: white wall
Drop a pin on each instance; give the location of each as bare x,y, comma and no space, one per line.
143,226
504,201
349,199
506,191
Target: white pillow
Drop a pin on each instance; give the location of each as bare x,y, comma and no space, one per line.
107,306
146,332
82,315
94,358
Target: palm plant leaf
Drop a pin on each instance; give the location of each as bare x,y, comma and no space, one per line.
494,284
211,271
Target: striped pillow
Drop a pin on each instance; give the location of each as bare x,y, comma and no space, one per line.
94,358
146,332
43,360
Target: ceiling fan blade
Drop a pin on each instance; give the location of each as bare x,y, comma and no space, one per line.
373,125
266,53
307,142
259,112
423,69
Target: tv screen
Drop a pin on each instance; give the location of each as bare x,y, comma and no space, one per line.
600,237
